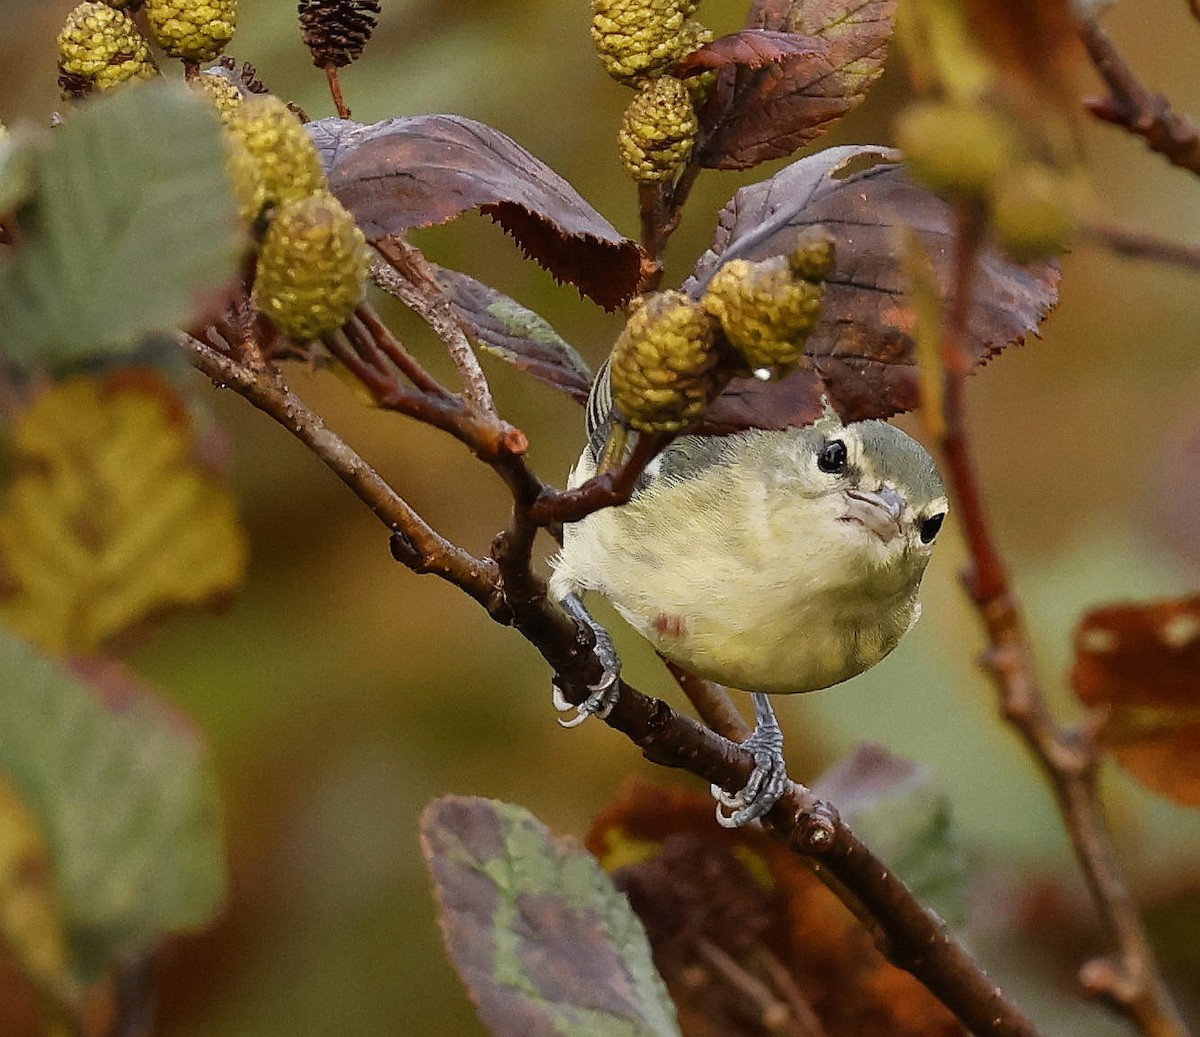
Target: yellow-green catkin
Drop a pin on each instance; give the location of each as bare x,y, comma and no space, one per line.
223,95
193,30
100,47
312,267
956,149
768,309
1034,211
638,39
665,369
272,157
658,131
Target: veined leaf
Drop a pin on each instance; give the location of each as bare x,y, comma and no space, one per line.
543,941
130,223
121,790
110,519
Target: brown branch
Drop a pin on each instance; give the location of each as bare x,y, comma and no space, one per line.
1131,105
335,91
769,1012
407,276
513,593
1131,982
430,552
711,703
1137,244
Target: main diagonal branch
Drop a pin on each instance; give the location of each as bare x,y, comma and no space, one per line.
1131,981
909,935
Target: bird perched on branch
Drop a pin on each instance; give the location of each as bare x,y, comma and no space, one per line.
775,562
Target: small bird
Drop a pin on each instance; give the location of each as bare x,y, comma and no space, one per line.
774,562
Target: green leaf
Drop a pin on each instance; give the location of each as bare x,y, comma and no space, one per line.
16,183
896,807
544,942
122,792
131,221
504,328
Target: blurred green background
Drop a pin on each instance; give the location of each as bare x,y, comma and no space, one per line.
340,693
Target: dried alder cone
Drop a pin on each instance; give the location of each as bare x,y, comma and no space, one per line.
193,30
336,31
313,267
100,48
658,131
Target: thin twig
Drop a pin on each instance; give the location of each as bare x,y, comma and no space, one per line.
405,362
1138,244
137,997
1069,759
1150,116
802,1011
407,276
771,1013
712,703
335,90
432,553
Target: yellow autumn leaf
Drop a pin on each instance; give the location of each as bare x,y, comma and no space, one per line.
109,518
30,922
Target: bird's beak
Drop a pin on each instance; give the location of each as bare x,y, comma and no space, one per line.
879,511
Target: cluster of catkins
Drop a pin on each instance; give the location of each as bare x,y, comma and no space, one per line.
638,42
676,354
312,260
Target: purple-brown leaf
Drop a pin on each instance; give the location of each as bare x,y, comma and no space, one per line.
543,941
1141,664
506,329
750,48
754,115
423,170
863,355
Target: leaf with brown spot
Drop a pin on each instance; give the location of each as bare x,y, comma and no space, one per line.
1141,663
732,911
544,943
110,519
863,354
750,48
757,114
423,170
504,328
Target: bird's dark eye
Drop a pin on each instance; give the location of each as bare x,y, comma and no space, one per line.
832,457
930,527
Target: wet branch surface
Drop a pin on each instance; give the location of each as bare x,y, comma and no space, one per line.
1129,980
513,593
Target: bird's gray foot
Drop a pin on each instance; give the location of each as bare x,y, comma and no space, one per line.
604,692
769,779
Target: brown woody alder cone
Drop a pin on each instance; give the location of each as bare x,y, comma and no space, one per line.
335,31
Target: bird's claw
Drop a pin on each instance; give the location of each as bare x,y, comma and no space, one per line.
598,704
605,692
769,779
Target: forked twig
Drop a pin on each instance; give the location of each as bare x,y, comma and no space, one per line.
1130,981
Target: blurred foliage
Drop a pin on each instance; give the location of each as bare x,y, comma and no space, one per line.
341,693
